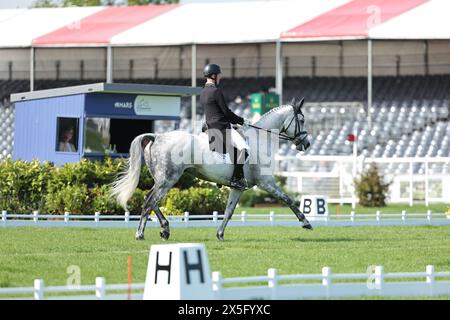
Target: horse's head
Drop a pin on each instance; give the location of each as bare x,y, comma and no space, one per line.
293,126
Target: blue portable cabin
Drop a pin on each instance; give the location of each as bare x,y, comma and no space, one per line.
90,121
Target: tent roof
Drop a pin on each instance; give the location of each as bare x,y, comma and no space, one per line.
428,21
21,29
99,27
7,14
350,21
235,22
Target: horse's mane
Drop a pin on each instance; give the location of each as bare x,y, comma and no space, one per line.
274,110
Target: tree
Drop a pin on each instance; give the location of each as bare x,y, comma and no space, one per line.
45,4
146,2
371,189
85,3
81,3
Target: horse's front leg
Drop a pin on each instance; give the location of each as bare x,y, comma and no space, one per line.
272,188
233,199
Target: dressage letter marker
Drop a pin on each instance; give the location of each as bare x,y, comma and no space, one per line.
315,208
178,272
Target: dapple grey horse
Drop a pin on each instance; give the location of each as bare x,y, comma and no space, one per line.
169,154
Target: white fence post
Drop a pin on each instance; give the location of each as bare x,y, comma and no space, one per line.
127,216
186,216
66,216
273,282
4,213
378,215
410,183
97,217
426,183
430,278
215,214
272,217
379,278
352,216
403,215
35,216
100,290
326,280
38,289
243,216
429,215
217,284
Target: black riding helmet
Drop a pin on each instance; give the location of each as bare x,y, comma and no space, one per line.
211,69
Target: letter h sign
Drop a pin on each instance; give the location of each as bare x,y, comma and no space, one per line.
178,271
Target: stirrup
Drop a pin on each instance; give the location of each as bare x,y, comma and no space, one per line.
239,184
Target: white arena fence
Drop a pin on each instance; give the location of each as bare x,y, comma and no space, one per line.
269,287
414,179
243,219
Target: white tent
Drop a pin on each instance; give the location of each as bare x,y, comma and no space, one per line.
427,21
225,22
20,29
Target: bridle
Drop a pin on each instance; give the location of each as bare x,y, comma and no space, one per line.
297,133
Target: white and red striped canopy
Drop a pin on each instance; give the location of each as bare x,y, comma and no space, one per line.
235,22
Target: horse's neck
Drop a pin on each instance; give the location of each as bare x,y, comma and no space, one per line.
272,120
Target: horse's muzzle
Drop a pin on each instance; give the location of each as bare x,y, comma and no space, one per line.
302,142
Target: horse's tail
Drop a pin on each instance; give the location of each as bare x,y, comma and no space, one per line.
123,187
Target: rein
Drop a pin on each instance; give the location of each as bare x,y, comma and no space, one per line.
281,135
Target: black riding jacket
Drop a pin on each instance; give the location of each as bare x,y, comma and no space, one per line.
217,113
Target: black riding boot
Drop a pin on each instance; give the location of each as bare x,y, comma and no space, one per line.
238,181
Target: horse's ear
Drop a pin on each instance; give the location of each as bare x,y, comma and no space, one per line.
298,105
293,102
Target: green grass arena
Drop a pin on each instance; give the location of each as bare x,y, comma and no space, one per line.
30,253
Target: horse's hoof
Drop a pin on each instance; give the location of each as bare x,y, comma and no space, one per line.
307,226
139,237
219,236
164,235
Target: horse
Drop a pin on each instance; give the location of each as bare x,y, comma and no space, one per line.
168,155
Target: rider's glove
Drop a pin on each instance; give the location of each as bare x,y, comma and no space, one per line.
247,122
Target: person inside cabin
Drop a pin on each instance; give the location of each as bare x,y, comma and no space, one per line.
66,140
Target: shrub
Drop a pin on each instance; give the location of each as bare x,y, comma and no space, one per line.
102,202
370,188
74,199
23,184
197,201
136,201
255,195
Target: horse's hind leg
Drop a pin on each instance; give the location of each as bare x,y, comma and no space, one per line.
165,230
144,216
159,194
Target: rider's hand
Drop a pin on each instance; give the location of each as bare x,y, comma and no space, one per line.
247,122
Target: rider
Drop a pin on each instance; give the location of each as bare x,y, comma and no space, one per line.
219,117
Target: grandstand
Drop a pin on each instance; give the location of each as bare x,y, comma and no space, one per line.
396,69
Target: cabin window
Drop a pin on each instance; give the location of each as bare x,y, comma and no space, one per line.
67,134
113,136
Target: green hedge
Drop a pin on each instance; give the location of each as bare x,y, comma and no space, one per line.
82,188
197,201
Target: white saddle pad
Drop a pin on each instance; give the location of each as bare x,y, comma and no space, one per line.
238,141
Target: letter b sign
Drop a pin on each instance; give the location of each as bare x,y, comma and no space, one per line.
315,208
